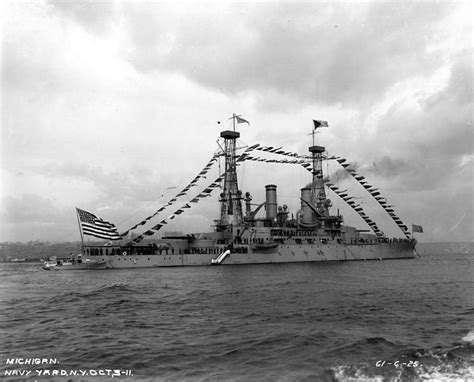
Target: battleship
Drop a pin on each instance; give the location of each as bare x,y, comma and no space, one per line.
241,235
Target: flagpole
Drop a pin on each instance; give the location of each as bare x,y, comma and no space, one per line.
80,230
233,121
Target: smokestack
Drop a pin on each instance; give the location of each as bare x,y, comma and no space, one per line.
248,200
271,199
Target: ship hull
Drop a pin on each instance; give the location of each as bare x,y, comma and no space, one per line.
281,254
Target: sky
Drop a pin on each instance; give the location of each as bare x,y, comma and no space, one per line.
114,106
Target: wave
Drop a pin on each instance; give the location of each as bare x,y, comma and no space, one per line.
113,289
105,291
368,347
436,364
469,338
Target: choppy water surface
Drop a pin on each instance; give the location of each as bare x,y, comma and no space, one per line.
268,322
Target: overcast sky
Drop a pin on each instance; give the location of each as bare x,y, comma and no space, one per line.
106,105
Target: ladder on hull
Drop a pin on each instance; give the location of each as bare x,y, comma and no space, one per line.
219,259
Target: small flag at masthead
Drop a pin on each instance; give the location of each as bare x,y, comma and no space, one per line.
318,123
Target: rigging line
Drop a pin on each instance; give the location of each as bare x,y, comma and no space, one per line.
289,196
354,175
140,209
363,215
207,167
459,222
294,155
375,211
242,175
174,213
218,179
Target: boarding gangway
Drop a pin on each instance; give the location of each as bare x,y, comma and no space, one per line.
220,258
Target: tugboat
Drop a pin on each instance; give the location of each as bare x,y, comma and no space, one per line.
312,234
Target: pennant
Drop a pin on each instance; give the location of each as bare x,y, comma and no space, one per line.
138,238
241,120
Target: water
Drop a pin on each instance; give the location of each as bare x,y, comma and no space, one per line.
300,322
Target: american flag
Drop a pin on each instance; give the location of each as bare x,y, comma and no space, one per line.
94,226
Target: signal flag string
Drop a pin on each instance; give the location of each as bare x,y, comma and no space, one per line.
356,207
205,193
202,174
307,166
382,201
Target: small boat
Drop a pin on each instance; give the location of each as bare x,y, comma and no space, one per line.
73,263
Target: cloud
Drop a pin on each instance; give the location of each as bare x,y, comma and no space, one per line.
328,53
138,183
30,216
429,138
388,167
95,16
106,104
28,207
